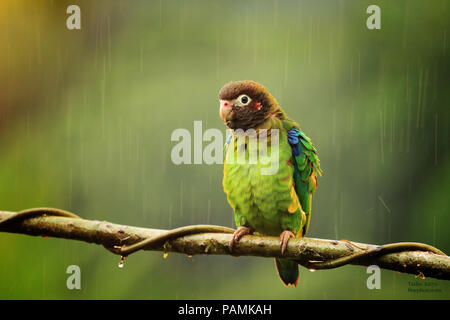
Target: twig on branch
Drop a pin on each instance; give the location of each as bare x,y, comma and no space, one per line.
408,257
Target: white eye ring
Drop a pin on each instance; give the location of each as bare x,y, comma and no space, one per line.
243,100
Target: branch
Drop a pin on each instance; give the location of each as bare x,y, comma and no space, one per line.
306,251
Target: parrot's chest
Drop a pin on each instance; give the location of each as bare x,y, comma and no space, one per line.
262,192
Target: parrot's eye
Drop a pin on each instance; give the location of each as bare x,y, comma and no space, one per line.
243,100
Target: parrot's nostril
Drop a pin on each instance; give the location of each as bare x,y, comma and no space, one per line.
225,104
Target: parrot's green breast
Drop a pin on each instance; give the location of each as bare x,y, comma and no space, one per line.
265,202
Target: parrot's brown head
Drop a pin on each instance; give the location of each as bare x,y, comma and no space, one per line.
246,104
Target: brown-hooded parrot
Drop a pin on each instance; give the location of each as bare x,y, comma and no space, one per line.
277,204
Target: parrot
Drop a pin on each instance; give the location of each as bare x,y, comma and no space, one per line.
277,204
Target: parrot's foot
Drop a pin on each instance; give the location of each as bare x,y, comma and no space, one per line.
284,239
238,234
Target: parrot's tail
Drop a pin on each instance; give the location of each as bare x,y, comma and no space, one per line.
288,271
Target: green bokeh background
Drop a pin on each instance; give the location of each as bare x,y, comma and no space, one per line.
86,118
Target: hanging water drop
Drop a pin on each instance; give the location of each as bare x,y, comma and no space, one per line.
122,258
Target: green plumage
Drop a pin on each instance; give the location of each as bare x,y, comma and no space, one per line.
269,204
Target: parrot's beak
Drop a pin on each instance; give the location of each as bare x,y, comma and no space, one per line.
225,110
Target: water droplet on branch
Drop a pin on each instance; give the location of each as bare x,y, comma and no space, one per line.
121,264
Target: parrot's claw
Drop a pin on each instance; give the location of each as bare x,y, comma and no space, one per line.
238,234
284,239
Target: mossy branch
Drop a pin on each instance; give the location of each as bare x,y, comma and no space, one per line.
418,259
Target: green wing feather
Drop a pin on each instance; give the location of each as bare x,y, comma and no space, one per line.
306,169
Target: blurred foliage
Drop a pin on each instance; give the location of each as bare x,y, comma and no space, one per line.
86,118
